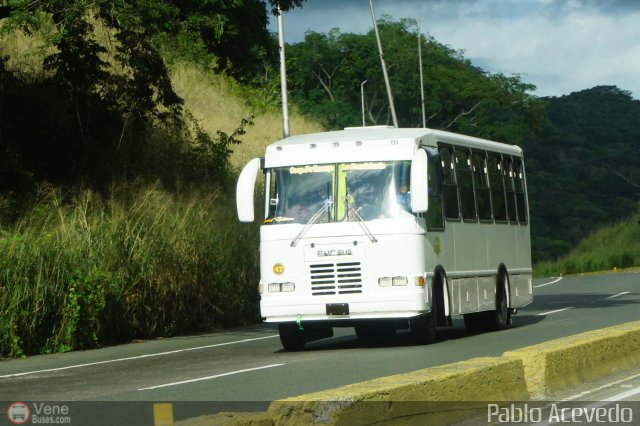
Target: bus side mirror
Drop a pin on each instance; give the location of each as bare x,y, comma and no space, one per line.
245,189
419,182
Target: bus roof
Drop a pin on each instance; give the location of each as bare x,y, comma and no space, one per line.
365,143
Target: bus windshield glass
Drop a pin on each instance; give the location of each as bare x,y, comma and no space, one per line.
372,190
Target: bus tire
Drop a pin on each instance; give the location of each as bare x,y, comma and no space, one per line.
291,337
496,319
501,315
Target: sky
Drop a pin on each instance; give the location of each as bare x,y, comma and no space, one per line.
560,46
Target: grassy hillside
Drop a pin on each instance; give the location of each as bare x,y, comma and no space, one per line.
583,170
612,247
214,103
82,268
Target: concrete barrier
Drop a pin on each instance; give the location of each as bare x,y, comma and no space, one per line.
444,394
228,419
568,361
426,396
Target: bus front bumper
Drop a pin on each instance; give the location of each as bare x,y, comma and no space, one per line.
344,310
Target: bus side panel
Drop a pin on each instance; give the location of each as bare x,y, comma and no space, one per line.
454,291
487,293
521,285
521,294
468,295
470,246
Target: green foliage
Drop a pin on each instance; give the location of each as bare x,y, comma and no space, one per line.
326,71
609,248
81,268
44,140
583,170
105,98
87,270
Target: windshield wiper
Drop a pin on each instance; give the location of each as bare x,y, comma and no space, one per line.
320,214
360,220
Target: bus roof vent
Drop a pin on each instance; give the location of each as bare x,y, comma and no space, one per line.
369,127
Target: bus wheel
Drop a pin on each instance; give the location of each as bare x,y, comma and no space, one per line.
501,315
291,337
495,319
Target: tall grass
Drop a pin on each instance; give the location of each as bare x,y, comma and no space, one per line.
24,51
211,99
81,269
86,270
613,247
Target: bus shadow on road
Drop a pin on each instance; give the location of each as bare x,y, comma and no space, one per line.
347,339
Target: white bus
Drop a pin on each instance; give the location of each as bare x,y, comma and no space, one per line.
381,229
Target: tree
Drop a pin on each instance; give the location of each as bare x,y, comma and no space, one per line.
116,88
582,169
326,71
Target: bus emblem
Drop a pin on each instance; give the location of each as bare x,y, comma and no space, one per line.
436,246
326,253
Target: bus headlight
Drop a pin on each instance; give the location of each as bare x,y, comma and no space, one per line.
400,281
281,287
288,287
393,281
385,281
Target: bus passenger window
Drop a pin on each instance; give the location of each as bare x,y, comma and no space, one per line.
465,184
511,193
520,191
449,186
496,181
481,185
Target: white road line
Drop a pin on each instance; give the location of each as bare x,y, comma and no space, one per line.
599,388
617,295
546,284
554,312
109,361
623,395
595,405
210,377
591,407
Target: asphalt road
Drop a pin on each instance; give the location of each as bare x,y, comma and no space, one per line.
246,368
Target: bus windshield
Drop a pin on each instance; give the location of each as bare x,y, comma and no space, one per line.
373,190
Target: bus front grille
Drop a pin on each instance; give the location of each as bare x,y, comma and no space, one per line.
335,278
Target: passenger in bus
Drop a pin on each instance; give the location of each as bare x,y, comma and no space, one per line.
303,207
298,210
403,197
367,200
321,199
323,196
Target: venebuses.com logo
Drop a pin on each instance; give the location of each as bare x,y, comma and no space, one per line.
18,413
